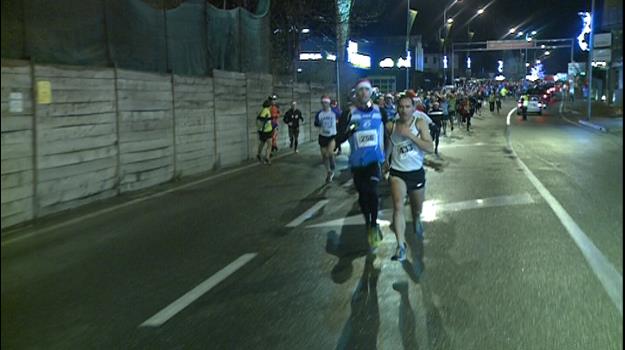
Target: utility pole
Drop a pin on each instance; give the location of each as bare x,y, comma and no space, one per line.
590,44
407,38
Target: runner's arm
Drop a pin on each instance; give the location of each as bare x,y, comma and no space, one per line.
424,140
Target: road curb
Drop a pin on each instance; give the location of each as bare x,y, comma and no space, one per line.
593,125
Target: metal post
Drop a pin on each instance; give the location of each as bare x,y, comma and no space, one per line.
452,63
590,44
407,40
444,42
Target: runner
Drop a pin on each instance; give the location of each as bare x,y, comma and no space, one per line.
335,107
498,102
275,117
326,121
436,115
363,125
292,118
265,131
410,140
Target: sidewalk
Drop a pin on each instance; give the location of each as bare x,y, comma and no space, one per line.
604,117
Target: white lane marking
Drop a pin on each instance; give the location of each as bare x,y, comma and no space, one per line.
609,277
308,213
432,208
129,203
172,309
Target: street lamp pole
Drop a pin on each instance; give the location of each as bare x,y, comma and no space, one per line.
407,41
590,44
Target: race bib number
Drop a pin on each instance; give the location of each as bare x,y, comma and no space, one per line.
367,138
327,123
404,150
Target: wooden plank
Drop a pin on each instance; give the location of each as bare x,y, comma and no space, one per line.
21,178
70,133
17,151
203,145
134,85
72,199
56,160
129,116
73,72
84,96
16,219
146,125
126,105
58,84
16,137
75,145
128,158
20,206
69,109
76,169
198,154
127,136
16,81
137,75
11,123
15,193
76,181
142,145
9,166
138,167
76,120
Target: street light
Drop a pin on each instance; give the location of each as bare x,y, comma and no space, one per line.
480,11
305,31
537,61
534,32
450,20
512,30
547,53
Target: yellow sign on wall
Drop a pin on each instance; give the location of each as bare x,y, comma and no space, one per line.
44,92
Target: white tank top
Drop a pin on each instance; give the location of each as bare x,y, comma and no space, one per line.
406,155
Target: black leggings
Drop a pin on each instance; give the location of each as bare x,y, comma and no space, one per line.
366,180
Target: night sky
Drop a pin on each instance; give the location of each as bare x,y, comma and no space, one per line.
552,19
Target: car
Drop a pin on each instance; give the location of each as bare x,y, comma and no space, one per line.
535,105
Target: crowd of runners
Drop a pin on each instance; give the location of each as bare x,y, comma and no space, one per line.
389,136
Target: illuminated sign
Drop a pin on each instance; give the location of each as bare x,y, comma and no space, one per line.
500,66
444,62
310,56
356,59
330,57
468,62
500,78
586,29
387,63
404,63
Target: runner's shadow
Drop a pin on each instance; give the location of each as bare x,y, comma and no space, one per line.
361,329
407,322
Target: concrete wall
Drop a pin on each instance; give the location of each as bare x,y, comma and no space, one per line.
107,131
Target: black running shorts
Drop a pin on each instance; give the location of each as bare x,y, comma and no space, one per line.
324,141
415,180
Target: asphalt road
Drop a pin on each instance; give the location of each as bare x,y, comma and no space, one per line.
275,259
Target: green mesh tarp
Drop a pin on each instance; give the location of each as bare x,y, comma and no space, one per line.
187,38
65,31
136,33
12,29
191,39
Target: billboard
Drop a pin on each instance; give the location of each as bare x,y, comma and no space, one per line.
508,44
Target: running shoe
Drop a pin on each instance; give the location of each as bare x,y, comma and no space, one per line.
330,176
400,253
375,237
